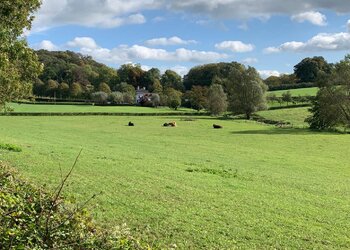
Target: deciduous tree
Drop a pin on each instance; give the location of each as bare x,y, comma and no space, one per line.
309,68
171,79
198,97
331,106
246,90
75,90
104,88
217,100
287,97
173,98
19,65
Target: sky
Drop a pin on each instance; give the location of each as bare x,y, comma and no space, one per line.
270,35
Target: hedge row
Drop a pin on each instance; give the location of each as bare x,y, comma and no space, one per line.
74,103
32,218
51,99
100,114
54,103
293,86
291,106
271,122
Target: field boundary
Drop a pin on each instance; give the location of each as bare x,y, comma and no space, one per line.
101,114
291,106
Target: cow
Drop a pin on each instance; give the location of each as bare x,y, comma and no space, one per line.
131,124
170,124
217,126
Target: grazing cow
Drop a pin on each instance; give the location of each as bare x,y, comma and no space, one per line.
131,124
173,124
169,124
217,126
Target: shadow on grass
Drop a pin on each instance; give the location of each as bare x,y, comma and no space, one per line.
284,131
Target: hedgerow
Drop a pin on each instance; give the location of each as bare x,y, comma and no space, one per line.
32,218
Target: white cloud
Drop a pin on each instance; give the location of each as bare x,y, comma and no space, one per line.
83,42
47,45
125,53
313,17
145,67
119,21
320,42
250,60
181,70
163,41
262,9
113,13
267,73
91,13
234,46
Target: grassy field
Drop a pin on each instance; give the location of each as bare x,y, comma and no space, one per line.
248,185
297,92
89,108
296,116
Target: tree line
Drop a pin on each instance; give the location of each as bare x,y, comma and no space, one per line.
215,87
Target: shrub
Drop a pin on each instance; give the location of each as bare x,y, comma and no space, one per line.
116,97
99,97
155,99
103,87
128,98
32,218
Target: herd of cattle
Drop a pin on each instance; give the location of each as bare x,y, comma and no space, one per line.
173,124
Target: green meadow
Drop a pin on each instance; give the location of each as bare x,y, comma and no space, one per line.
295,116
297,92
248,185
90,108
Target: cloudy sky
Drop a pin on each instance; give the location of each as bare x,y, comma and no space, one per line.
271,35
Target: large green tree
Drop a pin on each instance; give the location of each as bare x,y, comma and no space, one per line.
131,74
150,78
217,99
19,66
171,79
309,68
173,98
205,75
198,97
331,107
246,90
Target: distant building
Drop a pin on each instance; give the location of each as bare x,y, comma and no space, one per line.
141,94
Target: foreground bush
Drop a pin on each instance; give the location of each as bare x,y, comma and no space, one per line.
31,218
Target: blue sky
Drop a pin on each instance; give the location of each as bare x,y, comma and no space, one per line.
271,35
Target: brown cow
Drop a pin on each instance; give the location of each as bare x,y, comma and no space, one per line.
170,124
173,124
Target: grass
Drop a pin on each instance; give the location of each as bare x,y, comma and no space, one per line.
297,92
89,108
249,185
10,147
296,116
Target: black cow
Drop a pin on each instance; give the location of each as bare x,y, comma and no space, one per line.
131,124
217,126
